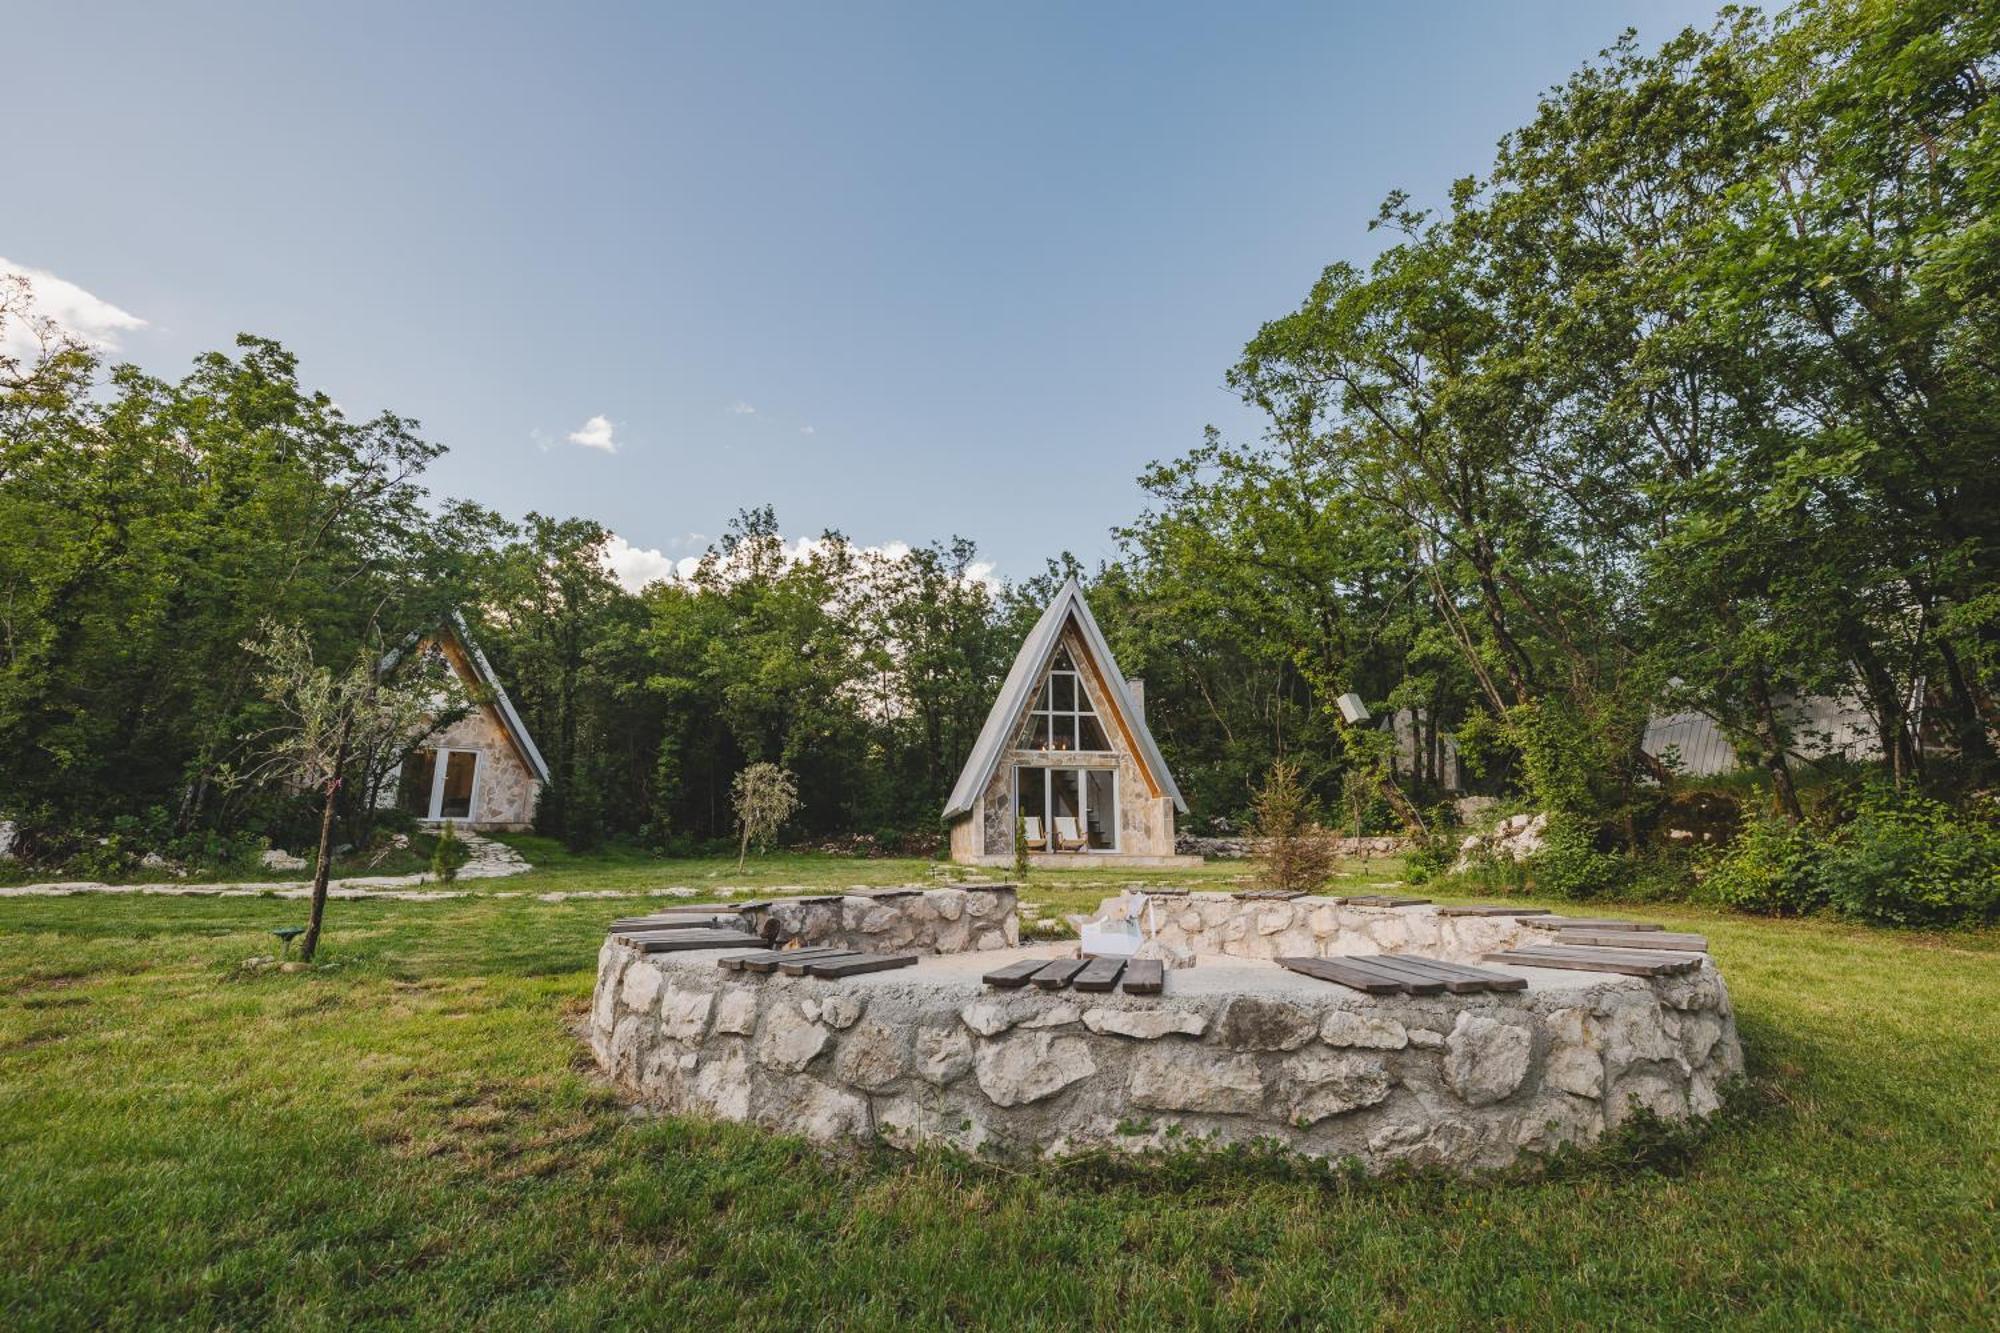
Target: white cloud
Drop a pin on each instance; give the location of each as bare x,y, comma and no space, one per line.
595,434
743,409
633,566
807,430
88,318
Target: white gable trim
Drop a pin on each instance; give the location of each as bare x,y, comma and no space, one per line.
1037,650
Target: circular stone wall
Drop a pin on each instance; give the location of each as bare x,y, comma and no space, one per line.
1235,1050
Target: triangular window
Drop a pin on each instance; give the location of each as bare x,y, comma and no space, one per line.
1062,718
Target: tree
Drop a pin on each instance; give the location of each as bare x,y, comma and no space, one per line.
764,796
326,718
1293,852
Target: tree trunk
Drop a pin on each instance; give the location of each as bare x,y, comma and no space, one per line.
1975,747
1774,748
324,866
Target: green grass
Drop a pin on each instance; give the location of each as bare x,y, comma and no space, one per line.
414,1134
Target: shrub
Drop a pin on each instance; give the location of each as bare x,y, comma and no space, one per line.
1294,854
1772,868
1020,848
1911,861
1570,864
449,854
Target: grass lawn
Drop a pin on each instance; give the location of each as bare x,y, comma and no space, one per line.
414,1134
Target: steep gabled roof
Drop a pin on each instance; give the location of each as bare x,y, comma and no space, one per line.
482,670
1037,650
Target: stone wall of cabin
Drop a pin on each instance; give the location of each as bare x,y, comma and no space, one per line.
503,794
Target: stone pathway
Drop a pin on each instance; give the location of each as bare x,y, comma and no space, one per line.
488,860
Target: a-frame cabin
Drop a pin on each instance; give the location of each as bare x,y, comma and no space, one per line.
1066,757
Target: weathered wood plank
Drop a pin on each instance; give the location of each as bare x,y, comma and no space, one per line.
1056,975
1412,982
681,941
1099,974
796,966
1635,939
768,960
676,921
1672,961
1554,922
1631,965
1419,972
834,968
1384,900
1015,974
1489,909
1337,971
1145,976
1495,981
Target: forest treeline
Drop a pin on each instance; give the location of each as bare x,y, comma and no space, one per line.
1689,402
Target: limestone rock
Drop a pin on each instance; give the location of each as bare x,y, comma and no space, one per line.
1426,1039
1145,1024
839,1011
946,904
736,1012
1345,1027
789,1039
1321,1085
992,1015
1577,1070
1251,1023
1027,1067
1171,1076
872,1056
1485,1059
684,1014
943,1055
642,987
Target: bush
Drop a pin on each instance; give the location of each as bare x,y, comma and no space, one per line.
1903,859
1570,864
1912,861
1294,854
449,854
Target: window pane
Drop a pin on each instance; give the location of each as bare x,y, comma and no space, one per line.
1042,699
1062,662
1065,801
1090,735
414,790
1036,737
1102,804
1063,731
1028,789
459,767
1064,688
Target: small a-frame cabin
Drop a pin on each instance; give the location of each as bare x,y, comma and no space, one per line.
482,771
1066,756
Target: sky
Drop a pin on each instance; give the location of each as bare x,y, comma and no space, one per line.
901,271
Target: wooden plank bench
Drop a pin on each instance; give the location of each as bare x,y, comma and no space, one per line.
1099,974
681,941
1015,975
854,965
1635,939
768,960
1489,909
1268,895
1384,900
675,921
1628,962
1145,976
1055,975
1403,974
1554,922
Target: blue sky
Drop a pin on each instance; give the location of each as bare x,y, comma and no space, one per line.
902,271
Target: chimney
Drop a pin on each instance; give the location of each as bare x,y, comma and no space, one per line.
1136,687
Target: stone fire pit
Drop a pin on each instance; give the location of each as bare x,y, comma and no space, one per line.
1236,1050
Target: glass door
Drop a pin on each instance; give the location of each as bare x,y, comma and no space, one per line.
1074,809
